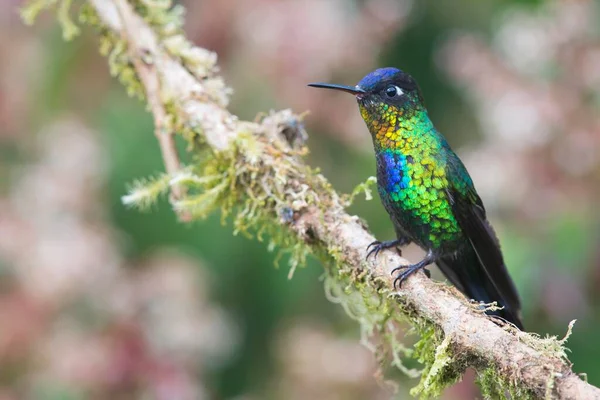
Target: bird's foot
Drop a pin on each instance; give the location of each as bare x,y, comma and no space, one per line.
377,246
408,270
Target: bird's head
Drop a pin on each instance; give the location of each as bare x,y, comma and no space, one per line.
383,87
390,103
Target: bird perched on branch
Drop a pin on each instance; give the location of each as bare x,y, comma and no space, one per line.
428,193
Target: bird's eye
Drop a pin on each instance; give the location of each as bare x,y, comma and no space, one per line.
393,91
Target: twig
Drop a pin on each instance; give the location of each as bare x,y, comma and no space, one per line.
516,357
144,65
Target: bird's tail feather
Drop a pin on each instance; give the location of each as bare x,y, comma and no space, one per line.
466,272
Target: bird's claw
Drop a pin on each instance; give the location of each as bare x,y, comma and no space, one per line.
377,246
411,269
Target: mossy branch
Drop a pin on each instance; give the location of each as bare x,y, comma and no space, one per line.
253,172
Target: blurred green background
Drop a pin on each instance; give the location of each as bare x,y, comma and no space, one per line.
101,301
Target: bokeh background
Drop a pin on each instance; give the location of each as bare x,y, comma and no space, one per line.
100,301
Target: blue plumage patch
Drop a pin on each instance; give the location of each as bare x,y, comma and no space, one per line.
394,165
369,81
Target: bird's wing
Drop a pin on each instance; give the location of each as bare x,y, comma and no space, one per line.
470,215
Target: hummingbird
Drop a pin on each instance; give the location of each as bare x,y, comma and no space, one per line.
428,193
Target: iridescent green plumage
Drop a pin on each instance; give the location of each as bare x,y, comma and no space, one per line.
412,174
428,192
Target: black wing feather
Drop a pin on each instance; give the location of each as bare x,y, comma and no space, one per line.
485,275
472,220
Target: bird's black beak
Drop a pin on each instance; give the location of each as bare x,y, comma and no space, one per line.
355,90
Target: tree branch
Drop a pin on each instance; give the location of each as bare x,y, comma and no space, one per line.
531,365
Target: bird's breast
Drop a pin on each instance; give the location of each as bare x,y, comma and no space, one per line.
404,172
413,186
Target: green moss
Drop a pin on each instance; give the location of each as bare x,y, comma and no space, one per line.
33,8
115,49
365,188
494,387
119,63
380,319
192,134
441,368
167,21
145,192
259,194
162,15
551,346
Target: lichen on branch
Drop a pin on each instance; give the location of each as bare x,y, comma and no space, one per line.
254,174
